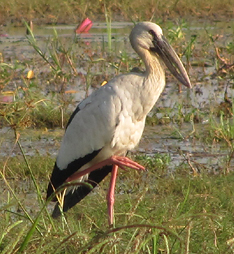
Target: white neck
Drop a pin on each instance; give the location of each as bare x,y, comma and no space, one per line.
154,78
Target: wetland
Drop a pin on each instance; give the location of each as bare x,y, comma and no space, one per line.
183,203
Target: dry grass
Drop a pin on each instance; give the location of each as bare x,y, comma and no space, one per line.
74,11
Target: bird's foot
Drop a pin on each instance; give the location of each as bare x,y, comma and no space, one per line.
120,161
124,162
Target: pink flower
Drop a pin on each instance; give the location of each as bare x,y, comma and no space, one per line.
84,27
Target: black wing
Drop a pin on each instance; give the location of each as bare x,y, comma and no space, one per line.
75,196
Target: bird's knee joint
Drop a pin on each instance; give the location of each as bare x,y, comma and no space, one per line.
110,200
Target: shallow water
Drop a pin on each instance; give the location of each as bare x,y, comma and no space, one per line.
204,157
156,140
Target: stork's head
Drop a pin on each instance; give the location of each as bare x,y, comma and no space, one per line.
147,36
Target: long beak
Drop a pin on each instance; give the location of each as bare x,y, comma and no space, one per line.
171,60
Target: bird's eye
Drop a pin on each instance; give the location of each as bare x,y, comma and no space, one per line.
152,32
154,36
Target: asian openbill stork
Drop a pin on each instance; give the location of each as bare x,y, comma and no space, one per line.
110,121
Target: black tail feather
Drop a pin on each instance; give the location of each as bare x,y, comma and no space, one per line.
74,197
59,175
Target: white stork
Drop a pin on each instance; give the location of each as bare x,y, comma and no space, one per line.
111,120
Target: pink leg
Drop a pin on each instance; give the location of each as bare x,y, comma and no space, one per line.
116,161
119,161
111,193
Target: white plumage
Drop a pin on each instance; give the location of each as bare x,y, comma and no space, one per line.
111,120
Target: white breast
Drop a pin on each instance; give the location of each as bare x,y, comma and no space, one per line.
111,119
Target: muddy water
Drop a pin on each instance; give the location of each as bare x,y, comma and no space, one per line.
171,140
181,147
207,92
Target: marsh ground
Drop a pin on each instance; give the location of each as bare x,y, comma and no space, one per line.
184,202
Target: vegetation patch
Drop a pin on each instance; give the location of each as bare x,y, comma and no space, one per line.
187,208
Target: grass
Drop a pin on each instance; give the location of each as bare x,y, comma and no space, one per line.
176,213
73,11
185,210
